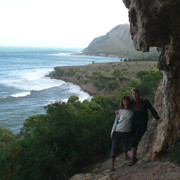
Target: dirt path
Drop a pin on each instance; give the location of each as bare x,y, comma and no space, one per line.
142,170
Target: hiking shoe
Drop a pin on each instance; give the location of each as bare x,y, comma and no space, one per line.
134,160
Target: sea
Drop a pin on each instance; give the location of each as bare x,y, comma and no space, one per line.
25,88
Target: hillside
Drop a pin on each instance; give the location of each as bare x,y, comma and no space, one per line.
99,78
117,42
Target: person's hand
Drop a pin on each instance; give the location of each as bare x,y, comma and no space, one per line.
117,112
112,136
159,121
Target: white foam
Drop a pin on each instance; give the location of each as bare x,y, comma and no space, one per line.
34,79
61,54
21,94
75,89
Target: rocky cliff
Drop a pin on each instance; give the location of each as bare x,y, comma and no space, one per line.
117,42
157,23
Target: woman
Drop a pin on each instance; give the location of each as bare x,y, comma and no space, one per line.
121,129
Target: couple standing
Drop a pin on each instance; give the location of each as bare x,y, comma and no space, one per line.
130,123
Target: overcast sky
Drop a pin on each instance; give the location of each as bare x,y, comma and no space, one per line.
58,23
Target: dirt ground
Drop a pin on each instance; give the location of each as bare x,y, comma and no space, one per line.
142,170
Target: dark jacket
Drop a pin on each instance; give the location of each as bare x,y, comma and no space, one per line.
140,114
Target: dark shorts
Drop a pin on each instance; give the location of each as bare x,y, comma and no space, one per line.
137,134
119,137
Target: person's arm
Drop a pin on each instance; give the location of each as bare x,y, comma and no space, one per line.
153,111
114,126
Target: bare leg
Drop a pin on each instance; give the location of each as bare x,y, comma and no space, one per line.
127,157
134,152
112,168
134,159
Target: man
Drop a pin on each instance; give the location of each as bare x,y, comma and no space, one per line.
140,119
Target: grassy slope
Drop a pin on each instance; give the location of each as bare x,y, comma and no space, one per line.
128,70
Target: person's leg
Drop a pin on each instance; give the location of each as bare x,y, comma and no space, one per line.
127,156
137,135
134,152
125,142
112,167
114,149
134,158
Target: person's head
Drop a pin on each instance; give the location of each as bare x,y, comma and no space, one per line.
125,102
135,94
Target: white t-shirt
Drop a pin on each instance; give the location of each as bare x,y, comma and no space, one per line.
123,121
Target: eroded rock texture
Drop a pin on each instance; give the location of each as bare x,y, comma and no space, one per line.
157,23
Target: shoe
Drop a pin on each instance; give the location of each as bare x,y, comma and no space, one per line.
133,162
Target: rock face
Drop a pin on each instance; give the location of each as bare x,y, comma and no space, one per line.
157,23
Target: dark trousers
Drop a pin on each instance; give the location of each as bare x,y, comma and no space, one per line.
119,137
137,133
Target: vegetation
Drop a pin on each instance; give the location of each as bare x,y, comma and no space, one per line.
117,42
149,82
105,77
149,58
58,144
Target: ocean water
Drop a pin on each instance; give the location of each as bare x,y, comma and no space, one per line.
24,86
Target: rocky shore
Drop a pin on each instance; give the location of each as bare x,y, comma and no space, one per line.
89,88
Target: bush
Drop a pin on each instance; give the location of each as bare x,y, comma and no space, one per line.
59,71
78,76
98,84
70,72
112,85
97,76
117,73
149,83
84,81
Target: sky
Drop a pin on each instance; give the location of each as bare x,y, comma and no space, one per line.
58,23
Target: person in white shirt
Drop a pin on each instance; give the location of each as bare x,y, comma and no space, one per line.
121,130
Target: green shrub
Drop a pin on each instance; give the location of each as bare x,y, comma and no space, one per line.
98,84
112,85
149,83
84,81
117,73
78,76
59,71
70,72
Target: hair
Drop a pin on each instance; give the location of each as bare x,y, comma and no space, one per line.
122,105
135,90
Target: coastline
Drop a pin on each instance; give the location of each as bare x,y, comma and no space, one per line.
99,78
101,54
88,88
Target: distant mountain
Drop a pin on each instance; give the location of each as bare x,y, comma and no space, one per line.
117,42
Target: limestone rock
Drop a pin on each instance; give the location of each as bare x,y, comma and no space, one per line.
157,23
